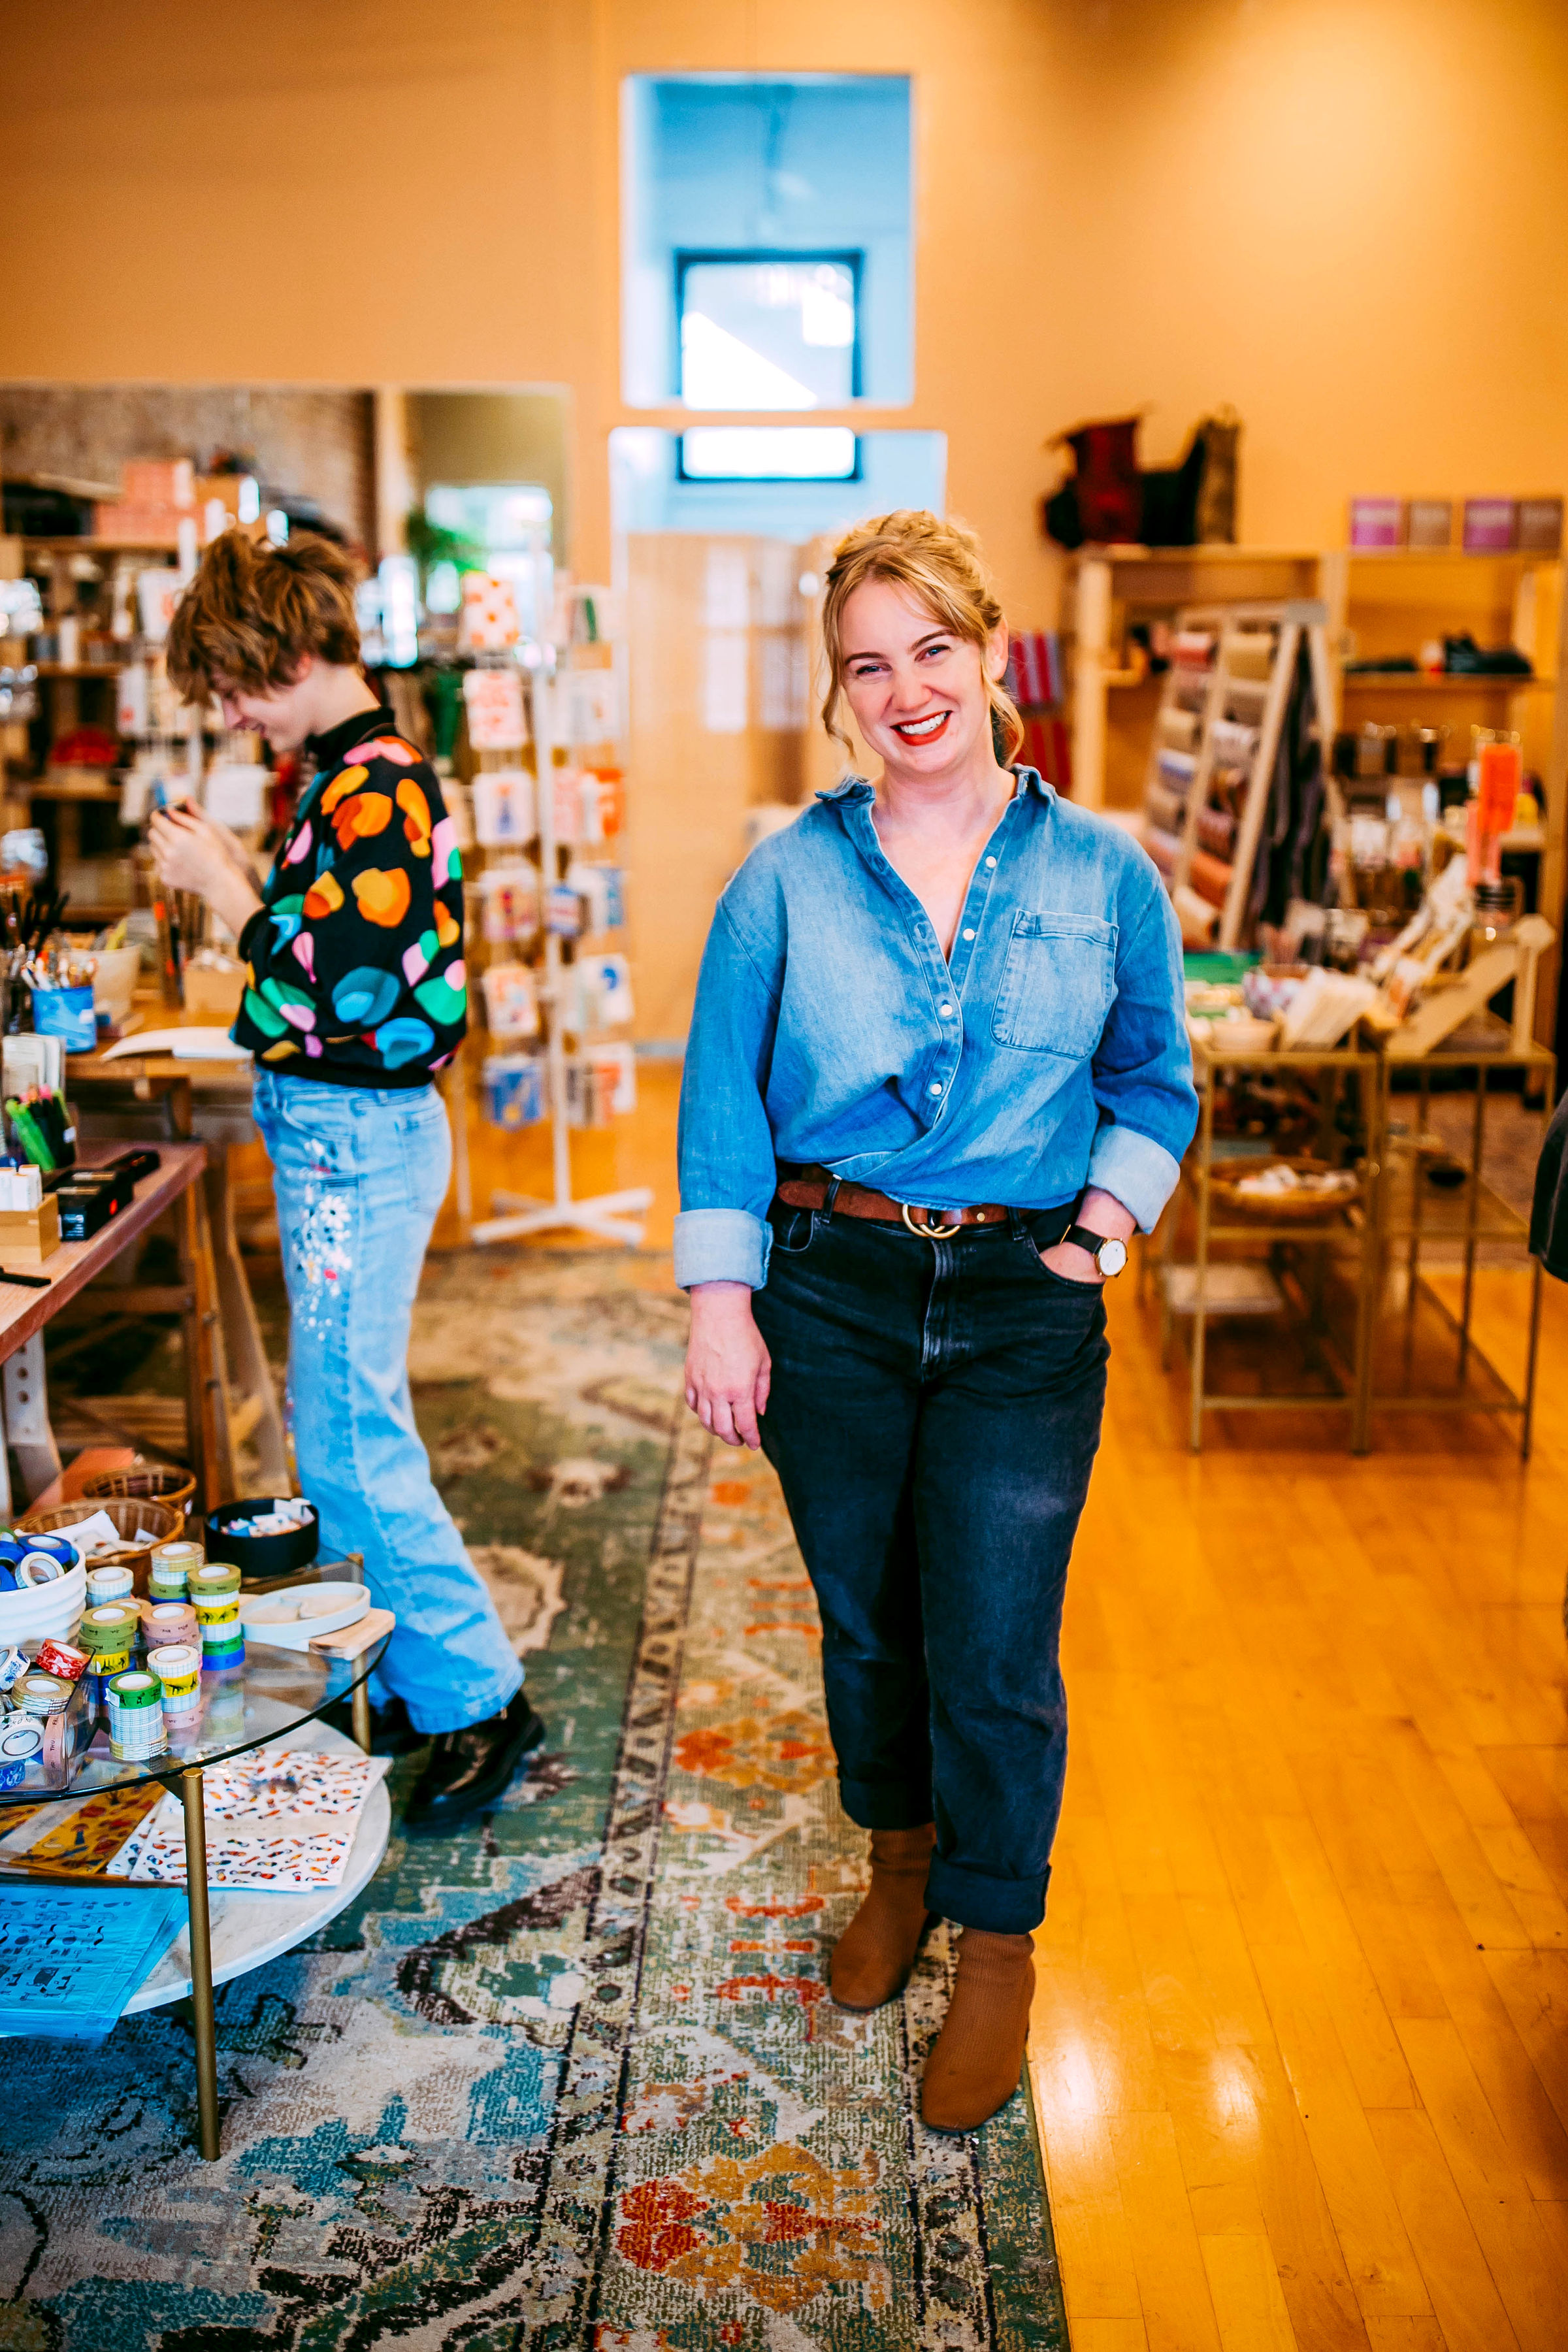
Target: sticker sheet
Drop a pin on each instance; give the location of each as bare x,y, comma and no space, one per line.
279,1820
70,1961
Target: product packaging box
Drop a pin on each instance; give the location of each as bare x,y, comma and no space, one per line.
1492,525
1430,523
1377,522
27,1236
1540,526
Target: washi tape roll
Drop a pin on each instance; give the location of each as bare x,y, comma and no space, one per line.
102,1666
213,1576
12,1547
62,1658
168,1620
11,1775
109,1583
135,1690
111,1626
14,1664
39,1568
43,1694
20,1740
64,1551
178,1668
216,1609
8,1576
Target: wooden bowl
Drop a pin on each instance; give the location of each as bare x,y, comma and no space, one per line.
133,1515
159,1481
1280,1209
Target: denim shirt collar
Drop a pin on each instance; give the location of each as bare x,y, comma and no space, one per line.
854,791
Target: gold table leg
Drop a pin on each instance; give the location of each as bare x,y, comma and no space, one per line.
361,1713
201,1961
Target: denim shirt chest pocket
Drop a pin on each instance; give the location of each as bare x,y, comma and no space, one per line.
1057,984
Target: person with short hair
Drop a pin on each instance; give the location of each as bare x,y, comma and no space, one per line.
937,1076
355,997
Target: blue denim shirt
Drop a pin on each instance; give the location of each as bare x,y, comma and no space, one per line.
1049,1052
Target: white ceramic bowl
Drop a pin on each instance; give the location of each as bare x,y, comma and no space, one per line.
262,1614
36,1612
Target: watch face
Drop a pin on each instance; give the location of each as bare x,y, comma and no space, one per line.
1111,1256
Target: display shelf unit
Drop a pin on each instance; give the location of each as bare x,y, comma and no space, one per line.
1216,734
1381,1231
556,720
1107,589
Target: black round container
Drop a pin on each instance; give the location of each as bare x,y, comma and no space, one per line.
259,1557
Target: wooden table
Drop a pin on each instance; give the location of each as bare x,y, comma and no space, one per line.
161,1094
176,1184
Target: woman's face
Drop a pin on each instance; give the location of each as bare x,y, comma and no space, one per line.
916,688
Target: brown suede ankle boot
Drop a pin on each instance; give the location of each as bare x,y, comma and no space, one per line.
872,1958
977,2057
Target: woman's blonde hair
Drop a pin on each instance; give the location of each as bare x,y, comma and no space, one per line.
253,611
940,564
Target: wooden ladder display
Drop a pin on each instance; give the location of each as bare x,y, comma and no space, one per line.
1216,734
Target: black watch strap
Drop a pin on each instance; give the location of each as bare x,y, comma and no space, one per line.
1094,1242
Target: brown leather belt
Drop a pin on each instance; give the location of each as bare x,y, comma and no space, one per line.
811,1188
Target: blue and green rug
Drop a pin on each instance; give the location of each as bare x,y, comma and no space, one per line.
572,2079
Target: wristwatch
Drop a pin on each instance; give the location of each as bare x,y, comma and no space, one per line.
1108,1255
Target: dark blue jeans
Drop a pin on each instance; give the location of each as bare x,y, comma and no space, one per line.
934,1417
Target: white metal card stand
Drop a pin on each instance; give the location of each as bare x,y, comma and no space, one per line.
608,1216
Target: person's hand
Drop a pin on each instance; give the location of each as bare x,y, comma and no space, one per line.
1102,1213
192,853
728,1368
188,849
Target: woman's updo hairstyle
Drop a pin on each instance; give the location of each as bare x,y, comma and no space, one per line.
941,565
253,611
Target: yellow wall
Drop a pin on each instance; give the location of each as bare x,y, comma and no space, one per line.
1343,215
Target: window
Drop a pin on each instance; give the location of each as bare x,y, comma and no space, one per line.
768,453
767,249
769,329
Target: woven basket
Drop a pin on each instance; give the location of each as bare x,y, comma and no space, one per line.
132,1515
1277,1209
161,1481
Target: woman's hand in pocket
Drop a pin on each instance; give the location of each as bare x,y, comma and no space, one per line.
728,1369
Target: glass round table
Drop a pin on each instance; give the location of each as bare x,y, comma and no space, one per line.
275,1694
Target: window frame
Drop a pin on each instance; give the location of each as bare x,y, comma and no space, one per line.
689,258
729,481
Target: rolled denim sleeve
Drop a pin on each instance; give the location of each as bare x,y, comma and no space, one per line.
725,1145
1143,1066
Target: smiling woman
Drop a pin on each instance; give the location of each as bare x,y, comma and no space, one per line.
952,985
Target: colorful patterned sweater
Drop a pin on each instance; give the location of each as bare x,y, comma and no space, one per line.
355,955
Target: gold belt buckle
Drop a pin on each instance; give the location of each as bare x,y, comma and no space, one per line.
928,1232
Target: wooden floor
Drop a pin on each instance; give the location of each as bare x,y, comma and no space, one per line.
1301,2044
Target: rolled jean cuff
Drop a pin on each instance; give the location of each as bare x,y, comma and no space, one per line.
457,1714
998,1906
885,1804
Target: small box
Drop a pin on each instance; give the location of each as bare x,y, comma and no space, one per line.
215,993
1492,525
1430,523
1377,522
1540,526
83,1209
29,1236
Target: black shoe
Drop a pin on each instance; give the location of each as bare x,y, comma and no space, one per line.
472,1769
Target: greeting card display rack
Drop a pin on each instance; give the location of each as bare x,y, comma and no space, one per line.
558,742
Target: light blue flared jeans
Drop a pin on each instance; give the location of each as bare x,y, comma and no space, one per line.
360,1175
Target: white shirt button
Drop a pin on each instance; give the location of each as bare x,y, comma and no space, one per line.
936,1086
969,935
945,1010
991,861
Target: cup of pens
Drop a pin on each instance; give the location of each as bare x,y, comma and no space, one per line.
64,1009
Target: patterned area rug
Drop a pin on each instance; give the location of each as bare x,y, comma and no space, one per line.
570,2079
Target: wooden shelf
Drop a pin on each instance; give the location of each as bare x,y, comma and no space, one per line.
78,670
1404,681
1450,555
85,546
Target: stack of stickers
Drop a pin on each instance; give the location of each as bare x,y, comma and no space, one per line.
279,1820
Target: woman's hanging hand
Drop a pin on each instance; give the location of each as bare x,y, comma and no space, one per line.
728,1368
